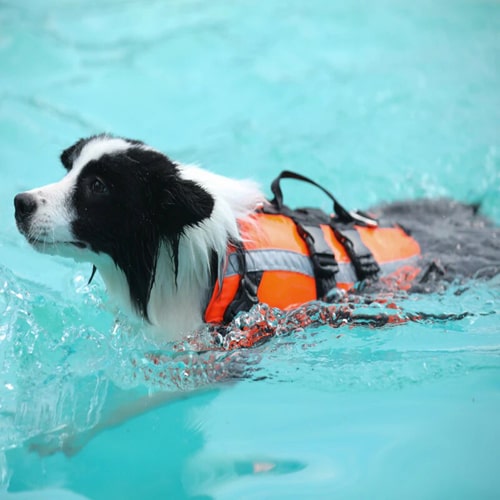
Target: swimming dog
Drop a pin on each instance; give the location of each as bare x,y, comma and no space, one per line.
163,235
172,242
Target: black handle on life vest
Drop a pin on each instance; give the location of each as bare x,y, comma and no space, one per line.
339,210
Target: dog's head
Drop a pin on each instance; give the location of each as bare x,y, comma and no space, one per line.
119,198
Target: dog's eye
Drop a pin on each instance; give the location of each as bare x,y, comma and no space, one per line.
98,187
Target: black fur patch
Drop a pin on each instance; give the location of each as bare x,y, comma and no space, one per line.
143,203
69,155
457,242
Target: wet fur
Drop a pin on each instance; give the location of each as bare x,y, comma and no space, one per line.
158,231
457,241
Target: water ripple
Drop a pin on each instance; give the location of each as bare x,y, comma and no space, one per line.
63,356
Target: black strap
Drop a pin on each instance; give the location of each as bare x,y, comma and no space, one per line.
361,257
324,264
307,221
246,296
341,213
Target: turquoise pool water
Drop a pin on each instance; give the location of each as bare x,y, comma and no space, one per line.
378,101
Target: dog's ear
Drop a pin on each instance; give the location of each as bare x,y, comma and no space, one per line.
186,204
69,155
181,202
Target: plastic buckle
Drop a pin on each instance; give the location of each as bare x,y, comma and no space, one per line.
363,219
325,264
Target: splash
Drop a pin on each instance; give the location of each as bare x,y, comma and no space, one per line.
64,356
262,322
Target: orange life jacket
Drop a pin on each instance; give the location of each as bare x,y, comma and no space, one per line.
283,261
273,246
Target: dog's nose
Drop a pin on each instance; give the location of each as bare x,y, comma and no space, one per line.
25,204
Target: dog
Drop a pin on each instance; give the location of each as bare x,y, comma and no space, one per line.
170,240
163,234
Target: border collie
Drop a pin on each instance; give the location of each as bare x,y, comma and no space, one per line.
154,229
158,231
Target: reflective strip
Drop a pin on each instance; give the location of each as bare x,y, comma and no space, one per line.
271,260
286,260
347,273
393,265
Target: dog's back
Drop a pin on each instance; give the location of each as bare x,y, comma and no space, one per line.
456,240
161,234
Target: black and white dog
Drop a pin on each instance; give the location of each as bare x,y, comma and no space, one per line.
157,231
154,229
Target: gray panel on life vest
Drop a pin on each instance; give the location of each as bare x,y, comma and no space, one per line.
285,260
271,260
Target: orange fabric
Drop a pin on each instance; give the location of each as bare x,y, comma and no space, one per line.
267,231
283,289
337,248
278,288
221,299
388,243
